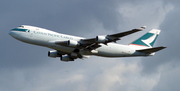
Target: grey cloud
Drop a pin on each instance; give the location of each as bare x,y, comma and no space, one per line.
169,78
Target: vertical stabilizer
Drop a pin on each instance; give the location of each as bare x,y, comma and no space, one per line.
148,39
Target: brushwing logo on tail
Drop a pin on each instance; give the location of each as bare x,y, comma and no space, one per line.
150,40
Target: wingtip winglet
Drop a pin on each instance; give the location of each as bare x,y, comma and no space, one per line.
143,27
163,47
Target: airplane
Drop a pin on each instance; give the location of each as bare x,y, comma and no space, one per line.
69,47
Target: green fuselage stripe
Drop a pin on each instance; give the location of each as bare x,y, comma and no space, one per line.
19,29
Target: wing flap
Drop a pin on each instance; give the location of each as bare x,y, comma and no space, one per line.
151,50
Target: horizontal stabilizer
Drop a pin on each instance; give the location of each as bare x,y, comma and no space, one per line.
151,50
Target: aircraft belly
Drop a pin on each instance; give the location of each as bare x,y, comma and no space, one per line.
114,50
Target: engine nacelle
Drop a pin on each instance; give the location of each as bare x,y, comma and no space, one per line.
53,54
72,43
101,39
66,58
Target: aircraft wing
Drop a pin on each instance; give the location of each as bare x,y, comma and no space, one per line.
127,32
113,37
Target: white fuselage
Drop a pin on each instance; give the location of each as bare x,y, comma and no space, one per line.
47,38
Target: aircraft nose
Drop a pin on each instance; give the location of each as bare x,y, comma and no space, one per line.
10,33
13,33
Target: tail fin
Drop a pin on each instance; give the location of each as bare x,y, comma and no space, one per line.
148,39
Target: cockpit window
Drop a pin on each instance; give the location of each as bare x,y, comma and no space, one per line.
21,26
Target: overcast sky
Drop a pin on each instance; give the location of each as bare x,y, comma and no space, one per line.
26,67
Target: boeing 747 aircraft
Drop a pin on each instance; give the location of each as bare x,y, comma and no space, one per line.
69,47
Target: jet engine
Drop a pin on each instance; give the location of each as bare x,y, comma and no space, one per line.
72,43
66,58
54,54
101,39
